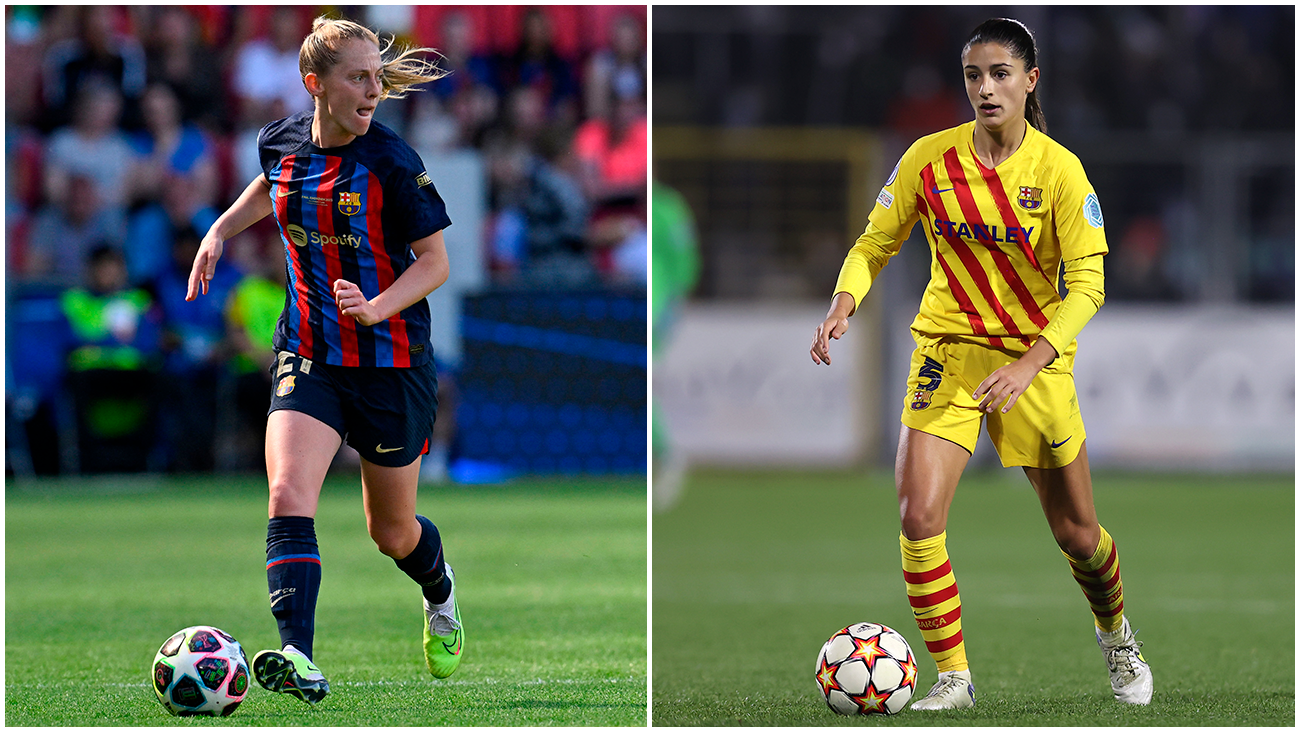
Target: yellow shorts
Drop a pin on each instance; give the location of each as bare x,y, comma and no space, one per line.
1043,430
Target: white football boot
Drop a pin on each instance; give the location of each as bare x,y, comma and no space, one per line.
953,690
1130,676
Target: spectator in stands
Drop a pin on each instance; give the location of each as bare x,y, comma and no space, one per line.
24,167
537,65
525,118
115,334
621,246
467,96
541,219
95,148
611,156
469,67
151,229
177,55
96,54
267,85
618,70
63,235
252,311
113,326
192,334
23,50
168,148
612,150
194,352
267,82
176,175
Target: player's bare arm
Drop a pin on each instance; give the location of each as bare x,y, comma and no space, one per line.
253,205
426,274
1009,382
834,326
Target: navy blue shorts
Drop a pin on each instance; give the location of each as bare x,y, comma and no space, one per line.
386,414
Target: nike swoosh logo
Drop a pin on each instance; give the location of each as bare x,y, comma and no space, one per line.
1062,442
936,191
381,448
455,642
282,194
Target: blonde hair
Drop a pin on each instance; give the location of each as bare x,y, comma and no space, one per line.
400,71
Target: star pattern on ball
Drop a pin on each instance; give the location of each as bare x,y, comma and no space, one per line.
872,702
826,677
909,673
868,650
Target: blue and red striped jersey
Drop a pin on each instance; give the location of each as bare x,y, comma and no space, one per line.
349,213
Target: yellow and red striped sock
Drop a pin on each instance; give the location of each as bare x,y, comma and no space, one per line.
932,590
1099,578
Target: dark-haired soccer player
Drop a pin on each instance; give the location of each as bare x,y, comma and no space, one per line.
362,230
1004,208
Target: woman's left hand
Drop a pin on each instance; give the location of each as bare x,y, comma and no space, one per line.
352,303
1009,382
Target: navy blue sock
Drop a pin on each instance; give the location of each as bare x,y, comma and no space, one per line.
293,578
425,564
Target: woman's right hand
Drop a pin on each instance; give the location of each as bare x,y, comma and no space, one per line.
831,327
205,264
835,325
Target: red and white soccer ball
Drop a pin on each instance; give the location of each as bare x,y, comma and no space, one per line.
200,670
867,668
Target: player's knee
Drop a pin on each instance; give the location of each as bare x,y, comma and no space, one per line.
1079,542
288,498
392,540
921,521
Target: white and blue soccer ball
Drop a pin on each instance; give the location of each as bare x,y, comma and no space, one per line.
200,670
866,668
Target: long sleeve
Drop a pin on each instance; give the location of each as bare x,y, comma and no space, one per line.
1087,292
870,253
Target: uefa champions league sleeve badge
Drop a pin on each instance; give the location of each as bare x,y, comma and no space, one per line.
1092,211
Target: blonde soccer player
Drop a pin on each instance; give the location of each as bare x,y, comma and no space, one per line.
1005,209
361,226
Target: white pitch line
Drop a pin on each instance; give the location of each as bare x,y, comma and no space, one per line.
480,682
458,682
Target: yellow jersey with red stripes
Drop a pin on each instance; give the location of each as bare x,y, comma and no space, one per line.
997,235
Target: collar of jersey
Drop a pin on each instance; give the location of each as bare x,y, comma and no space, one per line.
970,146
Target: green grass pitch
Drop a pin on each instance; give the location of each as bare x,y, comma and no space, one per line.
754,571
551,583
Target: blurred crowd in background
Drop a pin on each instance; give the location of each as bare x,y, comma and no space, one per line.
1165,69
129,129
1183,115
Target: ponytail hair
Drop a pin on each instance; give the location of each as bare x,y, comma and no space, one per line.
400,72
1019,41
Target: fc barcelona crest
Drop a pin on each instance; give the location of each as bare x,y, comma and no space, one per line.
284,387
1030,198
921,399
349,202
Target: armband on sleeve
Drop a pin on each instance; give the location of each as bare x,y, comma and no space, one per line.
869,255
1086,282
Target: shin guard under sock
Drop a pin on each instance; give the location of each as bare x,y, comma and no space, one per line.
932,591
1098,576
293,577
425,564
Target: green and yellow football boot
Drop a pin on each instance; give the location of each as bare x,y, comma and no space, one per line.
290,672
444,639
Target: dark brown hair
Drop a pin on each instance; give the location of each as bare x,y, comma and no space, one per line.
1019,41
